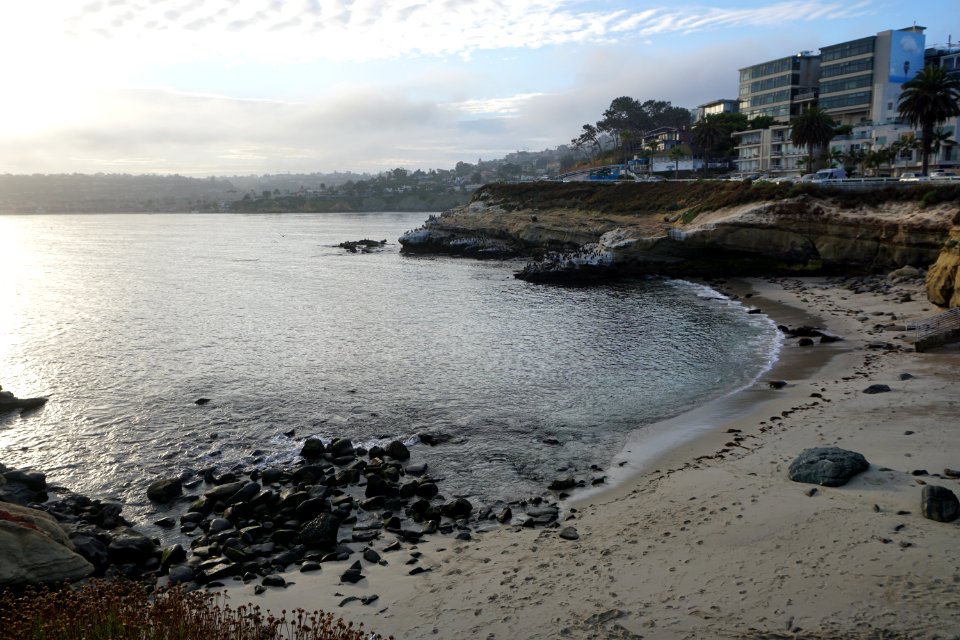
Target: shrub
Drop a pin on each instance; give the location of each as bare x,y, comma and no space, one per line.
123,610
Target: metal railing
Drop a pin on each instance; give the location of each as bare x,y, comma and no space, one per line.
940,329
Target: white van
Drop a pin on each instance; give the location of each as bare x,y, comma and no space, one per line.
824,175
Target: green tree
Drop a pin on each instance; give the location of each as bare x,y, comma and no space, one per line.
708,134
812,129
929,99
941,138
762,122
509,171
588,136
676,154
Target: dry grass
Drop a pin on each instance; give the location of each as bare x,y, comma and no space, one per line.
695,197
123,610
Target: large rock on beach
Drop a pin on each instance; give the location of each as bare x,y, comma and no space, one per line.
130,546
224,491
398,451
165,490
312,448
939,503
827,466
321,532
35,550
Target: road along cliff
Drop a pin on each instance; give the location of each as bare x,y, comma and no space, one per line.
582,231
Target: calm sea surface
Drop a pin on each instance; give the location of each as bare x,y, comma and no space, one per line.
124,320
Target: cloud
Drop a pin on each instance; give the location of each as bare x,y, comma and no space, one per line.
364,30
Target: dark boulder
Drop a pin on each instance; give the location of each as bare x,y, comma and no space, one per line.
341,447
312,448
273,580
353,574
33,480
310,473
562,484
174,554
877,388
311,508
94,551
569,533
180,574
129,546
398,451
245,493
939,503
456,509
223,491
321,532
427,490
827,466
417,469
271,475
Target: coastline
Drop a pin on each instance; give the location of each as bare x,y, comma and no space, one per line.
713,540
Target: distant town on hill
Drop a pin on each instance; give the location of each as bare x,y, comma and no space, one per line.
395,190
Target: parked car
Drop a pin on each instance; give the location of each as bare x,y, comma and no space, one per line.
837,173
784,179
940,174
913,177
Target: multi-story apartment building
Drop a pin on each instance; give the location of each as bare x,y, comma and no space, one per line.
768,150
860,80
859,84
778,88
716,107
947,57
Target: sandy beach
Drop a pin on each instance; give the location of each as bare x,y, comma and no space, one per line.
711,539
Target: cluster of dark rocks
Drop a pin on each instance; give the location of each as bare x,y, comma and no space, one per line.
807,336
362,246
882,284
336,501
96,529
834,467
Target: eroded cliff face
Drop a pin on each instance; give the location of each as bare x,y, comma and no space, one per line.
943,278
803,234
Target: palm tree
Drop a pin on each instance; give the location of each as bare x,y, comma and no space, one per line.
931,98
708,133
812,129
941,139
675,154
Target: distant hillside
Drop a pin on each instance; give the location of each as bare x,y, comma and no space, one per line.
112,193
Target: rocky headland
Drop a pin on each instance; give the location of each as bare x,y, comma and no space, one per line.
579,231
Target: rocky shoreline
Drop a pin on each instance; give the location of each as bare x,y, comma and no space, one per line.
585,232
253,524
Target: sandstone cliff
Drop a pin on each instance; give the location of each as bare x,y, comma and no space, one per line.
943,278
696,229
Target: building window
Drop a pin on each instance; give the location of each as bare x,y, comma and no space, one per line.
848,49
850,100
842,69
769,98
767,69
768,84
845,85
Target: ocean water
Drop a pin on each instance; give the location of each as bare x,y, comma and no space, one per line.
124,320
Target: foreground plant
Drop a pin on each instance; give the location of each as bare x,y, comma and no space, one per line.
123,610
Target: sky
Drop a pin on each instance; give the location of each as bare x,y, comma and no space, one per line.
226,87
